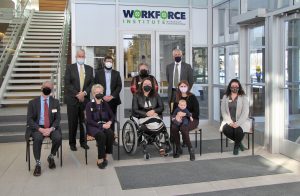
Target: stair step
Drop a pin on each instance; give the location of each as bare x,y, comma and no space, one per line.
39,54
14,101
44,34
22,94
37,59
44,30
30,75
48,12
24,87
35,64
45,27
42,41
59,18
34,69
42,37
30,81
47,23
39,49
40,46
46,20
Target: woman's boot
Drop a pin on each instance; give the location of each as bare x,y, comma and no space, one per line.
192,154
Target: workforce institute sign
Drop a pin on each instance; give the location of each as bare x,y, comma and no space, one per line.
153,16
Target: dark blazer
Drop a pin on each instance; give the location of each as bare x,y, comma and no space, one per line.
94,115
72,83
138,105
186,73
115,83
33,115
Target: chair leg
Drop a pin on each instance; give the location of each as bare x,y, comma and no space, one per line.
28,154
226,141
61,163
253,143
248,140
200,141
221,142
85,156
196,138
118,143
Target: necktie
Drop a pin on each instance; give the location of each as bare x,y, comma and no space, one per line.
46,115
81,77
176,76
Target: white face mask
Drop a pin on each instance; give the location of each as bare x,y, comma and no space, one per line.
108,65
183,89
80,61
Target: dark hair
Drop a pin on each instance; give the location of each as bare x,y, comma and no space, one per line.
178,93
152,92
241,90
108,57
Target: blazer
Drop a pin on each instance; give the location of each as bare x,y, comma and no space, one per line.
33,115
115,83
242,113
138,105
186,73
94,115
72,83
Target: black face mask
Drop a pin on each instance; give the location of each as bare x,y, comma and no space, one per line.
234,90
99,96
107,68
178,59
46,91
147,88
144,73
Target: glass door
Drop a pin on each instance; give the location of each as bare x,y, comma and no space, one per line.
166,42
136,47
290,140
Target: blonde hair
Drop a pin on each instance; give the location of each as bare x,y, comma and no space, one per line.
95,86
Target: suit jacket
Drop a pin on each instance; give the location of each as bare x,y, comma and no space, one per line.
186,73
115,83
138,105
33,115
242,113
72,83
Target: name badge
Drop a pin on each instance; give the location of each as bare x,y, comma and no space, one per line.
54,110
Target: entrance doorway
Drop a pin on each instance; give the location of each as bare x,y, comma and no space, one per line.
155,49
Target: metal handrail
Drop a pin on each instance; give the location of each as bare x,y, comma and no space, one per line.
13,61
12,42
62,51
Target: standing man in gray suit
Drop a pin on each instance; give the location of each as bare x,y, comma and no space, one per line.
176,72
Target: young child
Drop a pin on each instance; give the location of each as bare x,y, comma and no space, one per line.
182,108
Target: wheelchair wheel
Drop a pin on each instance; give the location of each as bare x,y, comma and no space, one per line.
129,137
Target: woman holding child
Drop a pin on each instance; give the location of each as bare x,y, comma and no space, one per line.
181,121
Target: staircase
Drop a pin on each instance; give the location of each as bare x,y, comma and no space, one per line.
36,59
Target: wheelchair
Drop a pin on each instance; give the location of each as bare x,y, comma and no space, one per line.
133,136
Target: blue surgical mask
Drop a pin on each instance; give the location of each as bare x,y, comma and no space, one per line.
80,61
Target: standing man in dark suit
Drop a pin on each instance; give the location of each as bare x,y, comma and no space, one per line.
43,120
110,79
176,72
78,84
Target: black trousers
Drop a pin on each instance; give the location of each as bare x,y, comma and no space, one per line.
38,138
75,116
184,129
105,142
235,134
113,106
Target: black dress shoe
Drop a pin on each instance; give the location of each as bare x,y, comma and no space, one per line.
192,154
176,155
84,146
37,170
73,148
51,163
105,162
101,165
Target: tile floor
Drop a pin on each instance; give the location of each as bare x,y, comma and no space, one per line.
76,178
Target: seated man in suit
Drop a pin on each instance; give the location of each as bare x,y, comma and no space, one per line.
43,120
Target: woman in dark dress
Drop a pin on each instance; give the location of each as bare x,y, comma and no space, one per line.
99,119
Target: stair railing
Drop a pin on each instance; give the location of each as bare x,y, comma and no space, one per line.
63,51
15,57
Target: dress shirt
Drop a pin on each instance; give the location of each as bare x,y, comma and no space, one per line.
108,80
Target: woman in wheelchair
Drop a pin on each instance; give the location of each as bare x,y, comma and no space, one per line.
147,106
99,118
183,93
